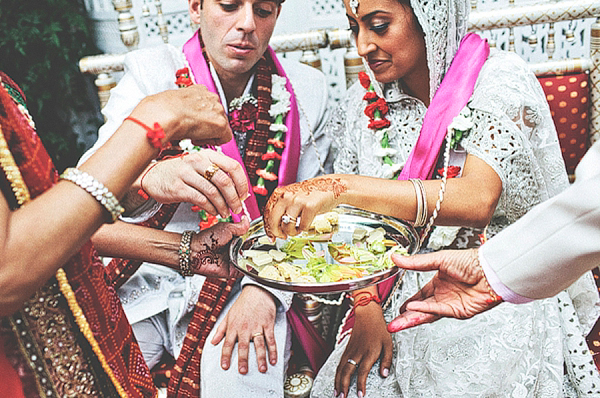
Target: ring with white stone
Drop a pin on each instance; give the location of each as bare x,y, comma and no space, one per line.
286,219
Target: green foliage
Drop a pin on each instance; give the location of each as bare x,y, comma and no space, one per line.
41,42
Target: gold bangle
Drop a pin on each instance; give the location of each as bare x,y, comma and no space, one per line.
421,217
185,253
96,189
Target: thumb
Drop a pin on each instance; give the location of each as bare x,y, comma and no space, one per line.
241,227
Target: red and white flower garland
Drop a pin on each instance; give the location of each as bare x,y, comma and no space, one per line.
280,106
376,110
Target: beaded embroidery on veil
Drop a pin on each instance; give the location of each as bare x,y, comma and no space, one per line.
462,358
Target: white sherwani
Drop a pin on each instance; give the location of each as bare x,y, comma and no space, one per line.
552,245
158,300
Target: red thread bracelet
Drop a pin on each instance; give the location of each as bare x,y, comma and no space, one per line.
364,300
155,135
142,192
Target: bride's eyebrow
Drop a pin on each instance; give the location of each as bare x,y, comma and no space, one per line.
367,16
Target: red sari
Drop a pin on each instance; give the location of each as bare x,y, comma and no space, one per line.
72,336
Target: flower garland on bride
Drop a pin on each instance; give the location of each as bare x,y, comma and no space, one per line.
376,110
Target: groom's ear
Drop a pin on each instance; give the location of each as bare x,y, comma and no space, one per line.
195,10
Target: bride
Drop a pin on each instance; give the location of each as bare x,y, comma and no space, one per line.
444,131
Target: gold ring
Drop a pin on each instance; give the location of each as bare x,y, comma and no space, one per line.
352,362
210,172
257,334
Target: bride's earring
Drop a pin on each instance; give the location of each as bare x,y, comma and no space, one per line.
354,7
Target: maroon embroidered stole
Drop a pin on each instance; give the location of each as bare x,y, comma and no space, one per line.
85,273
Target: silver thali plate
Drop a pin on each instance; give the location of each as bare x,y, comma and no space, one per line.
350,218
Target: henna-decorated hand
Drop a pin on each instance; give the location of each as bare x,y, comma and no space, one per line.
210,249
303,201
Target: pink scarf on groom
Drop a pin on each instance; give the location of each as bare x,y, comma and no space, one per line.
311,341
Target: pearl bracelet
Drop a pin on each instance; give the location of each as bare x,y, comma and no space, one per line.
185,253
96,189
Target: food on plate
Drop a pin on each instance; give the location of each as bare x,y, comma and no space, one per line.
324,223
312,257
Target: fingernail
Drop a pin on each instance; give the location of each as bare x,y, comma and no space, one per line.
263,369
360,394
224,365
335,393
342,395
386,372
242,369
242,198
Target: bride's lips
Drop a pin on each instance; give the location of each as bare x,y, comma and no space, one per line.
377,64
241,49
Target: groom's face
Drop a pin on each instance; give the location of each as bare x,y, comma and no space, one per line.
236,33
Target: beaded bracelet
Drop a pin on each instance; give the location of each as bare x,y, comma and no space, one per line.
155,135
96,189
366,298
185,253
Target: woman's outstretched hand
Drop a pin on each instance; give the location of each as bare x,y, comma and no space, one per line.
182,180
301,201
458,290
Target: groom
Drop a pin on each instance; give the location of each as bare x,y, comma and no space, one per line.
208,324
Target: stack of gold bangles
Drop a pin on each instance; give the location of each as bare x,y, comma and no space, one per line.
421,218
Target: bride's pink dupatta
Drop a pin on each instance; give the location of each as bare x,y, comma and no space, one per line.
450,98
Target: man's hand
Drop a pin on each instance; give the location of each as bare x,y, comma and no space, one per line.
182,180
210,249
369,341
251,319
459,289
